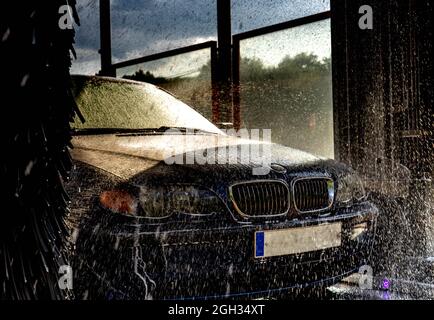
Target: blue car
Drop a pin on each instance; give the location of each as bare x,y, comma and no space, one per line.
165,205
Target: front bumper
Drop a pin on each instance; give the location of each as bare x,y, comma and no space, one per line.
216,262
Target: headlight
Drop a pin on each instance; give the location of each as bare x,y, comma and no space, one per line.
350,189
162,201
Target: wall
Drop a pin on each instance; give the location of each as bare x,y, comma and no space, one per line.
383,98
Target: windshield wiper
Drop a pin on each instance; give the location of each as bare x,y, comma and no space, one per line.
143,131
183,130
167,130
95,131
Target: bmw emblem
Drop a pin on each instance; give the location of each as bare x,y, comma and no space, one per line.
278,168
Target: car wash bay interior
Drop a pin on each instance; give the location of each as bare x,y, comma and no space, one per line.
377,109
383,107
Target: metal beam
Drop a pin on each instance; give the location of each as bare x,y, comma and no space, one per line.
105,39
224,35
165,54
224,64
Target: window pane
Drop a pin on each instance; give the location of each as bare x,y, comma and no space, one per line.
187,76
87,39
144,27
251,14
286,86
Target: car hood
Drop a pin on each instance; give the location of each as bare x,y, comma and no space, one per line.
128,155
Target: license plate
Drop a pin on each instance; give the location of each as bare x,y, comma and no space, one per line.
272,243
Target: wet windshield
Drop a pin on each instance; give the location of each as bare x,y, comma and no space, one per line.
108,104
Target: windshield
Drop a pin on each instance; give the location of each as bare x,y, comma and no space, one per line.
111,104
